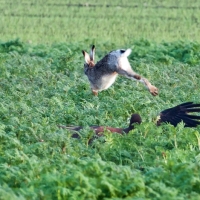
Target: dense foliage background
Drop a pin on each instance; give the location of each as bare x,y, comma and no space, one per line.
42,85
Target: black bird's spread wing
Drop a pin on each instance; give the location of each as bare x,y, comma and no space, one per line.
180,113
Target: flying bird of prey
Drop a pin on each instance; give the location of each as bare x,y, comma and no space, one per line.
173,116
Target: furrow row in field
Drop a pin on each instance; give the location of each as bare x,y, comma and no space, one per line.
102,5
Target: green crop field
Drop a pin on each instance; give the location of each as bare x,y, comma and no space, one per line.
42,85
118,21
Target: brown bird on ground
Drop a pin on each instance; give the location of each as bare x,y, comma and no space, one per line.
172,116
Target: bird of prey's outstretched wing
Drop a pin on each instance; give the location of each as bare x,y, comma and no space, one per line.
180,113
